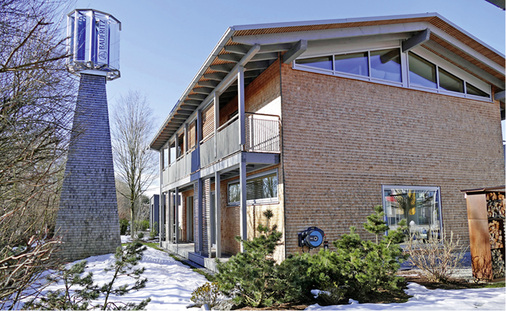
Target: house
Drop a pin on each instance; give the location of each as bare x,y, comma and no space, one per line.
320,121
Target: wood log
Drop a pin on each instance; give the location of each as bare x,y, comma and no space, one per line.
496,234
498,263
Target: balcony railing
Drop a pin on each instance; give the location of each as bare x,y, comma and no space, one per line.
262,135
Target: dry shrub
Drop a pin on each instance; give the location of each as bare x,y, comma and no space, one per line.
437,258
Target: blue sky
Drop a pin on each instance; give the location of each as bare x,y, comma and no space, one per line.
164,43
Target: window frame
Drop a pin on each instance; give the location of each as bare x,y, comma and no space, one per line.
436,189
369,77
263,201
405,72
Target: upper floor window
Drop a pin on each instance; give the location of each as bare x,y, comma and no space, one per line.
386,65
422,72
380,64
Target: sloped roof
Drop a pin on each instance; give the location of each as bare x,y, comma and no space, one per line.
257,46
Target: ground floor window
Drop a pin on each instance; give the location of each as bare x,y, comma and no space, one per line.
420,206
260,189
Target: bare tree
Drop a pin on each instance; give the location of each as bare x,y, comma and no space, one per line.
135,164
36,102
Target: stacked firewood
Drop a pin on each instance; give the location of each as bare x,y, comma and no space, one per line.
496,234
495,205
498,263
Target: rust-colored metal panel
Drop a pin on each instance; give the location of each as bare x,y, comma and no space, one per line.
480,248
477,206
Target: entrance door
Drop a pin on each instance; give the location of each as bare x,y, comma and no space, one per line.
189,219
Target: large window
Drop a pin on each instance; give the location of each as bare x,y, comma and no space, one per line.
259,189
422,72
355,63
379,64
387,66
426,74
324,62
419,206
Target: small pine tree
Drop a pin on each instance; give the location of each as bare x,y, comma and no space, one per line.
81,298
68,298
250,277
376,223
126,259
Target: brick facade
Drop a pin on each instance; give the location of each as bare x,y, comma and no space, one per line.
343,139
88,216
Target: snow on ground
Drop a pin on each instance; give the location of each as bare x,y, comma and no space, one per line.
489,299
170,284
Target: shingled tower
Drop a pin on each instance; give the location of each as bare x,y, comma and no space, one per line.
88,216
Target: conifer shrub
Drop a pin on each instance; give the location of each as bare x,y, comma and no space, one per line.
250,277
358,269
79,292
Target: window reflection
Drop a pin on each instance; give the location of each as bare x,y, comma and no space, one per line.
473,90
418,206
258,188
386,65
317,62
449,82
421,72
355,63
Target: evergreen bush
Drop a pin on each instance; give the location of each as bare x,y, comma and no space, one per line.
250,277
358,269
79,292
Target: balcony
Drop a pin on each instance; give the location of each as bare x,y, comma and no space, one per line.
262,135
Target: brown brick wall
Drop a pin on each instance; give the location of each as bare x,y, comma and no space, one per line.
344,138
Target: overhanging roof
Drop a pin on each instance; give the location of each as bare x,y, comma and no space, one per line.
257,46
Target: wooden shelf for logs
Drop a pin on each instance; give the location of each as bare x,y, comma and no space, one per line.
485,215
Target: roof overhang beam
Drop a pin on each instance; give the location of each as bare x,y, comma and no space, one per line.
299,48
500,96
417,39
